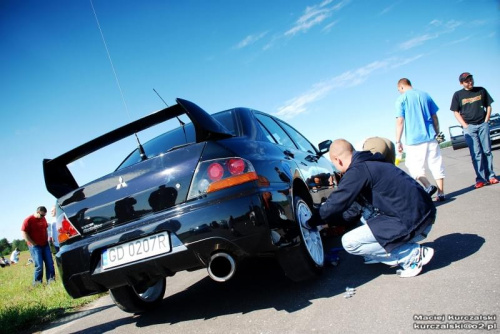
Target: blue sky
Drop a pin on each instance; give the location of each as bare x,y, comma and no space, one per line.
329,68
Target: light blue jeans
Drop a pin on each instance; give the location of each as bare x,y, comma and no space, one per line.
361,241
41,254
478,139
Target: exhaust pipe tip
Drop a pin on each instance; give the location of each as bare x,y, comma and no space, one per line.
221,267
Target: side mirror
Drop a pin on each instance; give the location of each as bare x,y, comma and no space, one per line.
324,146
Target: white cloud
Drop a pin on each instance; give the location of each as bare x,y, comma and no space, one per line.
298,105
436,29
458,41
329,27
419,40
389,8
314,15
250,39
400,62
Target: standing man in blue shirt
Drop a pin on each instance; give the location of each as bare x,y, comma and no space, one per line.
472,108
416,115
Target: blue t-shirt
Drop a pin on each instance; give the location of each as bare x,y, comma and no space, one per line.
417,108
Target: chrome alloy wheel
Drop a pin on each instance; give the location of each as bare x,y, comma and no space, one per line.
312,237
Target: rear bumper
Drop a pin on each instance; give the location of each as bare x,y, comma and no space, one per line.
236,223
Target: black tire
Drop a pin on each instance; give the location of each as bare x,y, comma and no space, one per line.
306,260
128,300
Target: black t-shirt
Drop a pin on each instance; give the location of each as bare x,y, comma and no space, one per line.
471,104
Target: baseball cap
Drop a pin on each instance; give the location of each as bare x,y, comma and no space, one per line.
464,76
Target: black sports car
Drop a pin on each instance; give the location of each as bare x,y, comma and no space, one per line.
207,194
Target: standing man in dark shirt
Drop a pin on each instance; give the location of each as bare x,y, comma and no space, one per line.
34,231
472,108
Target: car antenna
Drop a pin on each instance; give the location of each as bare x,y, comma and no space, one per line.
180,122
141,149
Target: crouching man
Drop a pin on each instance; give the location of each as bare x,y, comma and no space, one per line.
405,211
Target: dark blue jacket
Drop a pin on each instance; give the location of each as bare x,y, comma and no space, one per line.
406,209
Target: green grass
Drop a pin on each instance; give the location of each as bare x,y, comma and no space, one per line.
24,307
445,144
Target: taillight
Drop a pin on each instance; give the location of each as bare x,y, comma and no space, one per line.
64,228
236,166
215,172
214,175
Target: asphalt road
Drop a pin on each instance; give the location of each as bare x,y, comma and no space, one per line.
461,281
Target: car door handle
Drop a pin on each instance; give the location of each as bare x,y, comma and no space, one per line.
312,158
289,154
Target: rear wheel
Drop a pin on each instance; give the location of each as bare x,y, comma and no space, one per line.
129,300
305,261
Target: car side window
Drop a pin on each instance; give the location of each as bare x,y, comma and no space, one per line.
279,135
266,132
300,140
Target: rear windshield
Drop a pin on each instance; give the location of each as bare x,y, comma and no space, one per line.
180,136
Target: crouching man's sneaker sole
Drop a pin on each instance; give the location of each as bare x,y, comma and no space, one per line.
425,256
431,190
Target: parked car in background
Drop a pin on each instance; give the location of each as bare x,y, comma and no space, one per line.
208,194
457,137
457,134
495,129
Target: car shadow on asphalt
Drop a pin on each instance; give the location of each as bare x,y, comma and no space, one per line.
258,284
261,284
452,248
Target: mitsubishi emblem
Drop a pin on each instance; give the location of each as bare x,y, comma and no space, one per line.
121,183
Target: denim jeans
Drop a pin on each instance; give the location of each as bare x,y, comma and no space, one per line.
477,138
41,255
361,241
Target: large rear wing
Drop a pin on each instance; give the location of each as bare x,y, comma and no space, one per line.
58,179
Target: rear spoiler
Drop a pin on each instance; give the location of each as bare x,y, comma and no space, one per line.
58,179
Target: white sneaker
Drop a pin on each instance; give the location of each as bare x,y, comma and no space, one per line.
426,253
424,257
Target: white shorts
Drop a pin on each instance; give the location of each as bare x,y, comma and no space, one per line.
418,155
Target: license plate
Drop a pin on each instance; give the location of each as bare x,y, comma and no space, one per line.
136,250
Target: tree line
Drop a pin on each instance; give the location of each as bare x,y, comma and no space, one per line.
6,247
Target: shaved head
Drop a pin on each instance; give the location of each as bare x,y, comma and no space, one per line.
340,147
341,154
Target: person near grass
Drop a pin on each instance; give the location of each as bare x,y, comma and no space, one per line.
416,115
34,230
52,231
405,212
472,109
14,257
4,262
